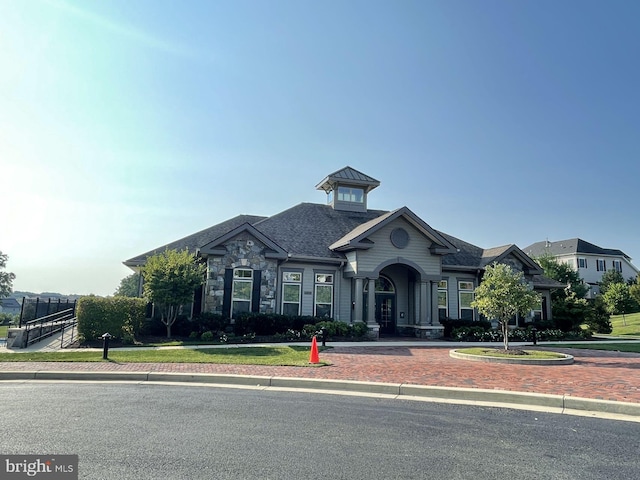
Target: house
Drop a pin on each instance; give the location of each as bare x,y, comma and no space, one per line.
10,305
588,259
344,261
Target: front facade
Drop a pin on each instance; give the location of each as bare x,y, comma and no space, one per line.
591,261
341,260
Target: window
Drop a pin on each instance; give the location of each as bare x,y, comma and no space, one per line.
617,265
347,194
323,306
443,304
537,312
582,262
291,286
465,295
242,288
601,265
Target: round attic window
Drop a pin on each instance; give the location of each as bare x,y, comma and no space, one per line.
399,238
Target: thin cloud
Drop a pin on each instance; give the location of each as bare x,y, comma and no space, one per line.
126,31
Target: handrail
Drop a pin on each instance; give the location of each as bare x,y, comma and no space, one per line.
51,317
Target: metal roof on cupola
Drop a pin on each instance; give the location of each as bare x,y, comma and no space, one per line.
347,176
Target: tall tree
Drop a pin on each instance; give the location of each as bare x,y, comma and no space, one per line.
634,290
564,273
618,300
170,279
609,278
6,278
502,294
128,286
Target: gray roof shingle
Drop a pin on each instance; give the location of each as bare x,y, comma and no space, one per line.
569,247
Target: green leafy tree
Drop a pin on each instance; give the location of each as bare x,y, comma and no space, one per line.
128,286
170,279
609,278
6,278
562,273
571,311
598,319
618,300
502,294
634,290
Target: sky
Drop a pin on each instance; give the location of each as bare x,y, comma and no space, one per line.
125,125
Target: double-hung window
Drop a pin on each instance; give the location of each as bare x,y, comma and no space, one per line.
323,298
443,303
617,265
582,262
465,297
242,289
601,265
291,291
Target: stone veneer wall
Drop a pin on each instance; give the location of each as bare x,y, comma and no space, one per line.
242,251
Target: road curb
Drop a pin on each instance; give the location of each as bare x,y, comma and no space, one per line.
503,398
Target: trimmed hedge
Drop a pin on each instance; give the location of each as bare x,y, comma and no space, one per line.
122,317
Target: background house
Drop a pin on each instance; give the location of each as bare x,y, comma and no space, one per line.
591,261
341,260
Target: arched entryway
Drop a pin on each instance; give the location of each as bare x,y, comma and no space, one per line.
385,304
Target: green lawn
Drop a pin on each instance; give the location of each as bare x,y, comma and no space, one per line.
613,347
285,355
632,327
497,352
3,331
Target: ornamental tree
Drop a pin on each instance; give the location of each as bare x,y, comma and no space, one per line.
6,278
170,279
503,294
618,300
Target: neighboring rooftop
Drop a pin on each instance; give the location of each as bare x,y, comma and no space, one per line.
569,247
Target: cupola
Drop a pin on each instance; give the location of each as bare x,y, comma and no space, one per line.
347,189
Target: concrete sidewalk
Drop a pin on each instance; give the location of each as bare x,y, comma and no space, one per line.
598,381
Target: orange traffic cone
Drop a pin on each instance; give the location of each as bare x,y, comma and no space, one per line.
314,357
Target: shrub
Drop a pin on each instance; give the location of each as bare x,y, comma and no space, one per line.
207,336
450,324
122,317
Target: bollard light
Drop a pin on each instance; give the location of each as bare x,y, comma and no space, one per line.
534,331
105,345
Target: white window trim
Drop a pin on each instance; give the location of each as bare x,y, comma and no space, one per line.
237,279
584,260
460,292
444,289
297,283
315,292
604,265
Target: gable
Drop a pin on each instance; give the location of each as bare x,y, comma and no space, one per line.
248,235
361,236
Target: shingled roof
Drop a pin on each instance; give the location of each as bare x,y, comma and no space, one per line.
308,229
569,247
196,240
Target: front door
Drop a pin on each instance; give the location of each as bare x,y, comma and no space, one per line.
386,313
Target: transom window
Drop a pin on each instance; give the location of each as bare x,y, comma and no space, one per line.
443,301
323,298
382,285
348,194
242,288
465,296
291,287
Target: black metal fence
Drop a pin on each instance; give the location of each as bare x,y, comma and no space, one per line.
35,308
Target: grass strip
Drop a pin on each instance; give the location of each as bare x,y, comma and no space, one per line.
612,347
278,356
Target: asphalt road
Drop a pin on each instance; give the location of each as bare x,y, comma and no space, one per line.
190,432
